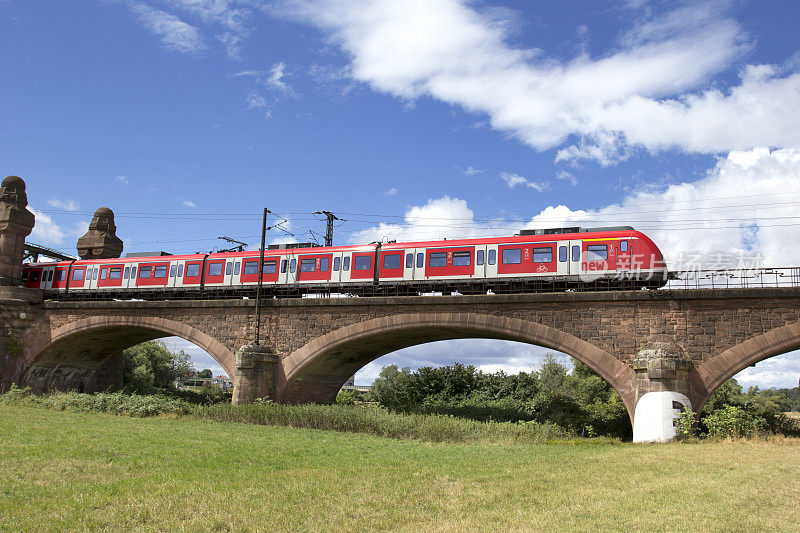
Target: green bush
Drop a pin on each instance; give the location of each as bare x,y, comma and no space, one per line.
102,402
732,421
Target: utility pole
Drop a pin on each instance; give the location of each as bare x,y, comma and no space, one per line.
260,275
329,227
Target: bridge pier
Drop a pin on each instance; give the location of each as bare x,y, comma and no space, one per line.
255,374
662,390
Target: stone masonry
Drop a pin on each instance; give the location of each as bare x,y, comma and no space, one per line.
639,341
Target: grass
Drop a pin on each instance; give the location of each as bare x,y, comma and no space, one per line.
88,471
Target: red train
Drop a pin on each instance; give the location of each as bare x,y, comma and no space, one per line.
562,258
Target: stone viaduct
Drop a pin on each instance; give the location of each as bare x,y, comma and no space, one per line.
684,342
662,350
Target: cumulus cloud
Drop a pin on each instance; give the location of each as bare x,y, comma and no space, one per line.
173,32
747,205
276,77
255,101
392,191
46,231
650,91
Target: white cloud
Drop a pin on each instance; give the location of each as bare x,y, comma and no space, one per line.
392,191
512,180
470,171
200,358
185,202
225,14
566,176
46,231
173,32
276,77
651,91
748,205
122,179
255,101
66,205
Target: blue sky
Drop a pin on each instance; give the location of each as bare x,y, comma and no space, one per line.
413,119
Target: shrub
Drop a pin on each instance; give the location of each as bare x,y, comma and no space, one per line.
733,421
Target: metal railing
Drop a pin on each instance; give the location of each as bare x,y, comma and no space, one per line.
747,278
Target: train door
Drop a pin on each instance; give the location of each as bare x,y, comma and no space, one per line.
92,273
47,277
491,261
227,279
409,260
344,274
625,256
480,262
562,263
289,264
336,267
574,257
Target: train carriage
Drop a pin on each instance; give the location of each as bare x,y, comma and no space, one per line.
558,258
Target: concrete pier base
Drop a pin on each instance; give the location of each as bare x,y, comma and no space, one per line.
255,374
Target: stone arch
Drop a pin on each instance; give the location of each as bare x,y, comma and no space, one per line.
71,354
316,371
713,372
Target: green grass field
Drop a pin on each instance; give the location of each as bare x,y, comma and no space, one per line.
89,471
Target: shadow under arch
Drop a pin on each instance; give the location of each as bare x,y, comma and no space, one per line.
71,355
316,371
713,372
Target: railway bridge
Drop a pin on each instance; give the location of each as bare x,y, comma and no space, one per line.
661,350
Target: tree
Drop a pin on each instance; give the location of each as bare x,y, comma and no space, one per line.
150,366
205,373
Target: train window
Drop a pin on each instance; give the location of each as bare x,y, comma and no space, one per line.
512,256
24,276
542,255
144,272
133,273
60,275
77,275
623,246
283,266
462,259
270,267
115,273
228,269
94,274
479,255
103,273
251,267
420,260
392,261
127,273
337,261
192,271
160,271
492,257
597,252
409,260
34,276
308,265
576,253
215,269
236,268
172,270
362,262
293,265
180,270
562,253
437,259
346,264
324,263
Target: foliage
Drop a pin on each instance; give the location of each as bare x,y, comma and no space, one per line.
580,402
116,403
687,425
379,421
346,397
205,373
150,367
732,413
